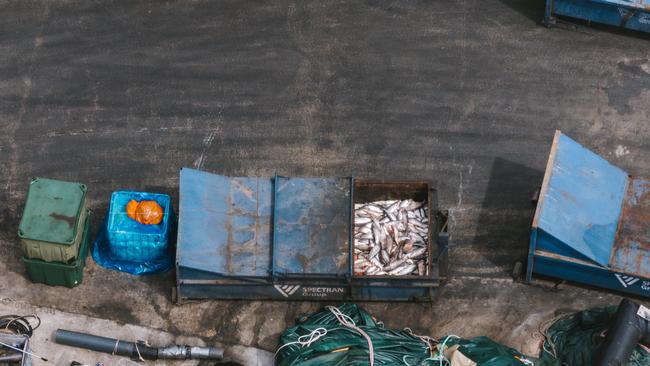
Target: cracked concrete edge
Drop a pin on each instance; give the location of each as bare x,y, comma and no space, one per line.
42,342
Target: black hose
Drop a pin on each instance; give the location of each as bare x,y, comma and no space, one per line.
626,330
19,324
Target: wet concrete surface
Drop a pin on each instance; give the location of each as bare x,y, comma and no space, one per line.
43,341
120,95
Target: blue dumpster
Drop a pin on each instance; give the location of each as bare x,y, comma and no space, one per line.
592,222
631,14
288,239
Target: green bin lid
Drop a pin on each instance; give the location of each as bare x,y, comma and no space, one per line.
52,211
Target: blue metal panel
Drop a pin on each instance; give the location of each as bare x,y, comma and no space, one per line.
631,253
592,223
312,226
233,231
300,291
631,14
224,224
548,243
581,200
592,275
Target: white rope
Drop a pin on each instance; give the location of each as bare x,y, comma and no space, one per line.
441,350
138,350
429,341
305,340
348,322
406,362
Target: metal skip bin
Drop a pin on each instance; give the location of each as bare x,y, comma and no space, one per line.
287,238
631,14
591,224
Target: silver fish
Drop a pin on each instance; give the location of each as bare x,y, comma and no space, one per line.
362,247
373,209
395,264
400,271
417,253
390,237
376,262
359,221
385,258
374,251
371,270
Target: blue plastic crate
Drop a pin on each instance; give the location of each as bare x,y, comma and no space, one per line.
131,240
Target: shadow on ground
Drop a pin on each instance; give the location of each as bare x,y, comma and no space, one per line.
502,234
531,9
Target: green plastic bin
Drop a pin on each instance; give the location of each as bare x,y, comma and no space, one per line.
53,220
61,274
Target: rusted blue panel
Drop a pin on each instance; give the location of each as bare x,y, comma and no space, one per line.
632,249
283,239
631,14
581,200
312,228
592,223
224,224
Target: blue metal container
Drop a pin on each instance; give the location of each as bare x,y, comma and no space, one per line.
287,239
631,14
131,240
591,224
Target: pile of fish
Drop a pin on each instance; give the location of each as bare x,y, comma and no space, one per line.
390,238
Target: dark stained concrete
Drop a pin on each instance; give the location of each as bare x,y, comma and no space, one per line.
121,94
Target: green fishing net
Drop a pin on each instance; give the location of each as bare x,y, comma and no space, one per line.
573,339
321,339
325,341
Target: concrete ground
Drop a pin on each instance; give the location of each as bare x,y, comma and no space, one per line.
42,342
120,95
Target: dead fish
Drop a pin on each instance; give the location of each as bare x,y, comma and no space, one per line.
373,209
362,247
390,236
359,221
417,253
421,268
376,262
395,264
400,271
365,230
374,251
371,270
384,256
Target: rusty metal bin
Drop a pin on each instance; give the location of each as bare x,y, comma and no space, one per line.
287,238
591,224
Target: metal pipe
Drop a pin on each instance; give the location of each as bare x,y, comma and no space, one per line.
135,350
627,329
104,344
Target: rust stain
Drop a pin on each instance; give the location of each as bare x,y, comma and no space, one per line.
632,243
304,262
568,196
70,220
249,193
